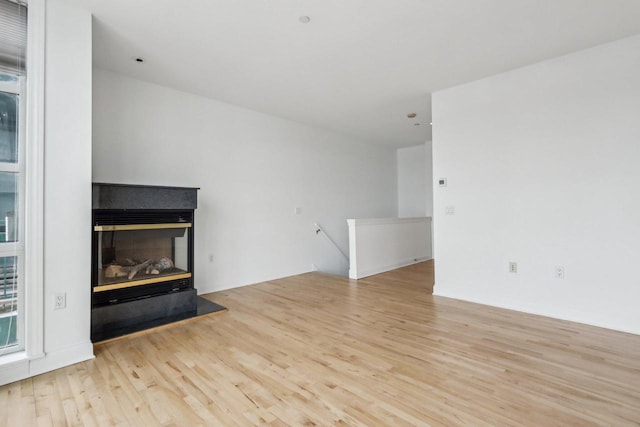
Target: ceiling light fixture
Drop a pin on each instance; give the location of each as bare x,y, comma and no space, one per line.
305,19
411,115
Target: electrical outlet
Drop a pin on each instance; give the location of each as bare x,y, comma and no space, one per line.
297,211
559,272
60,301
210,257
314,267
450,210
513,267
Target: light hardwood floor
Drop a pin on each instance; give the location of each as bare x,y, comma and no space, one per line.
317,349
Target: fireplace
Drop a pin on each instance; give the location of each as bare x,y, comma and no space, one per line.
141,253
142,258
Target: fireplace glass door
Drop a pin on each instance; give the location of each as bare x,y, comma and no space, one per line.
133,255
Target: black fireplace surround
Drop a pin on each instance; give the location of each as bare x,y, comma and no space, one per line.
142,258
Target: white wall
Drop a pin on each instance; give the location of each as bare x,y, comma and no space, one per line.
377,245
428,146
543,169
412,181
253,170
67,182
67,192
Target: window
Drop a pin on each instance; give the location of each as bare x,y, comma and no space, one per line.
13,40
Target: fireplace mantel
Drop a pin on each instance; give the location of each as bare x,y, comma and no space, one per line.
125,196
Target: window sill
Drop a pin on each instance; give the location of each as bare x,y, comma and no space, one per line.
13,357
16,357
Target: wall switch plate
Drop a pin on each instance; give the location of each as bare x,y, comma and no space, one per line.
513,267
559,272
450,210
297,211
60,301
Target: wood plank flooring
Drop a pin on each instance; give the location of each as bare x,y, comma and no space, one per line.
317,349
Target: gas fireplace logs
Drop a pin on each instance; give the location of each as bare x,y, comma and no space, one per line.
132,268
161,265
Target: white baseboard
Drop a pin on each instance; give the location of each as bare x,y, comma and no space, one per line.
365,272
25,367
61,358
15,370
515,307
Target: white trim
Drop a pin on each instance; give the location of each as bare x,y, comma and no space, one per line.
9,167
10,87
61,358
13,367
18,366
16,249
10,248
34,203
506,305
365,272
7,314
384,221
19,215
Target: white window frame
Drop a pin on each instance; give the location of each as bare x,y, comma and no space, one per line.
32,195
9,249
34,181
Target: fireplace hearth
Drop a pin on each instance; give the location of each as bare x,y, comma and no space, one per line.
142,258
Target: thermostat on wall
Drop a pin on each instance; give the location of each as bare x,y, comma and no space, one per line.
442,182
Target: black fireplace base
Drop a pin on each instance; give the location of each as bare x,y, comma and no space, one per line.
111,321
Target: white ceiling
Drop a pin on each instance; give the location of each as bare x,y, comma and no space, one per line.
359,66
